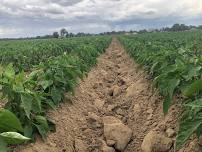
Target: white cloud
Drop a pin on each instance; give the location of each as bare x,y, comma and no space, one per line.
4,31
98,15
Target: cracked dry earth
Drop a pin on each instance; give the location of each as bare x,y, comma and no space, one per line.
114,108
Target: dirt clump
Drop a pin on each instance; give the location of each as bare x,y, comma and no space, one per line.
117,132
155,142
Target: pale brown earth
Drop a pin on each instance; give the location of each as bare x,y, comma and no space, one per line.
116,87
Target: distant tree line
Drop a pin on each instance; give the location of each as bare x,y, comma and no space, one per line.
180,27
175,28
63,33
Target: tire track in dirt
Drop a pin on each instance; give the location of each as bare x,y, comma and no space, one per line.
116,87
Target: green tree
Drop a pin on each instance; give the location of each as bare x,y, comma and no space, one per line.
63,32
179,27
55,34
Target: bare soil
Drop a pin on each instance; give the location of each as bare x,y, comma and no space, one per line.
118,87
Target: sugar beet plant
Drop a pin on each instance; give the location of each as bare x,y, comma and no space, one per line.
174,61
29,95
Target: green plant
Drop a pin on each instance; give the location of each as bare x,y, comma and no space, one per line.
174,61
9,128
30,94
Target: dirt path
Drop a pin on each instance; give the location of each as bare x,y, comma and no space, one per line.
115,87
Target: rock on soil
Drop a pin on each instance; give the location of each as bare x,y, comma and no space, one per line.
106,148
170,132
111,143
130,90
155,142
115,130
135,89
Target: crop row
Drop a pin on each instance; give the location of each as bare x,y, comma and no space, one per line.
174,61
24,54
30,95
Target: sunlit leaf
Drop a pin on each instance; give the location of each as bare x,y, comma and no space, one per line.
13,138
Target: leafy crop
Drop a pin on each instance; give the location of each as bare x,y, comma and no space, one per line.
174,61
25,54
9,128
29,95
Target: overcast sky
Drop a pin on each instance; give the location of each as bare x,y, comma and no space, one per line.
21,18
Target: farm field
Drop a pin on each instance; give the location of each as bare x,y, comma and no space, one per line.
27,95
24,54
131,93
174,61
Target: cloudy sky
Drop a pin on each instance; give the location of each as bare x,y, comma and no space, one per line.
21,18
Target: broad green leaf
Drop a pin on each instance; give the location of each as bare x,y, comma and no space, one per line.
33,74
9,122
3,145
187,128
9,71
195,104
13,138
42,131
172,84
194,88
42,126
26,103
28,130
46,83
18,88
36,103
51,104
56,95
19,80
42,121
193,72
